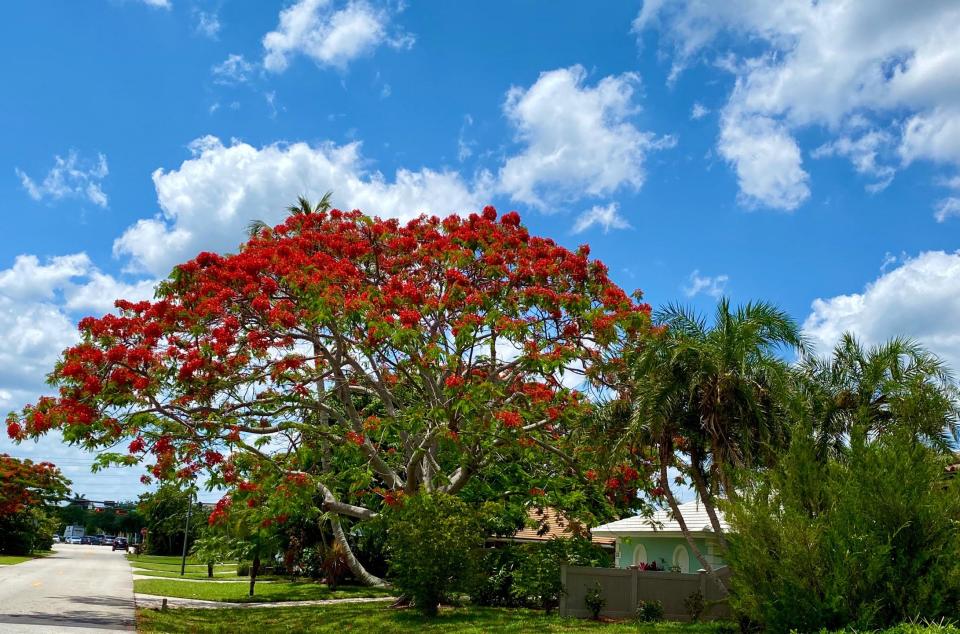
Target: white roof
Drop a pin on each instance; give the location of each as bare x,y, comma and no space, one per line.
663,522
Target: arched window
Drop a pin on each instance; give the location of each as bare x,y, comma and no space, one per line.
639,554
681,559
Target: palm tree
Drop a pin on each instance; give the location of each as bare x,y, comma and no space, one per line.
715,393
897,384
302,208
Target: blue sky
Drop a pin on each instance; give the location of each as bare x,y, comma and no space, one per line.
803,153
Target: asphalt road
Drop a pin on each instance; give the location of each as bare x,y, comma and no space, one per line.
77,589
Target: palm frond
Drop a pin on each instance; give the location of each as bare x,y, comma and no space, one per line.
254,227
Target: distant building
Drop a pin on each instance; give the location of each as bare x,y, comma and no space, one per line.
546,523
641,541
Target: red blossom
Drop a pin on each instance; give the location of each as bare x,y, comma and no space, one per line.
454,381
509,419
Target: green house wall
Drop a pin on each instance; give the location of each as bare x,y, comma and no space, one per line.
660,549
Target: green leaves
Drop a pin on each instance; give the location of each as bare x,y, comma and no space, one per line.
865,542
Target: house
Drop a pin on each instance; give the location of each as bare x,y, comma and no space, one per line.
546,523
659,540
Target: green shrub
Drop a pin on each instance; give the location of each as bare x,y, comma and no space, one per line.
492,583
431,541
536,580
867,541
593,598
694,605
649,611
26,532
243,569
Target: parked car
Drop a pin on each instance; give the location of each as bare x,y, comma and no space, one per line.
96,540
56,538
73,534
120,543
108,540
86,540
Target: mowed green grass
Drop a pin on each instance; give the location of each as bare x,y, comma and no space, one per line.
189,568
278,591
169,560
169,567
379,617
9,560
190,573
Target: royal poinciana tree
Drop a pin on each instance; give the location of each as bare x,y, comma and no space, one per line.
25,484
342,362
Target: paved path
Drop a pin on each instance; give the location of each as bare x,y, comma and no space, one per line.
77,589
153,601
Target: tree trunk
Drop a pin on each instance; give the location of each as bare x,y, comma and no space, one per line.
666,452
355,566
254,569
700,483
210,571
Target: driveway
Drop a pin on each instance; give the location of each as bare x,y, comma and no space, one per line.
77,589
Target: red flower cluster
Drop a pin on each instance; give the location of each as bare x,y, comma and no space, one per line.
509,419
220,511
454,381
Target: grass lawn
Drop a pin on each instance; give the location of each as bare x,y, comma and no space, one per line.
378,617
9,560
161,559
280,591
194,574
198,568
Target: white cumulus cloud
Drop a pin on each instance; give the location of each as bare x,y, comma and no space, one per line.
766,159
578,139
882,77
328,36
920,299
208,202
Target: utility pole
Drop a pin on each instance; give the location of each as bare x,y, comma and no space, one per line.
186,529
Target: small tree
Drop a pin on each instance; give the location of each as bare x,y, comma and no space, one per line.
164,513
254,537
213,548
430,540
